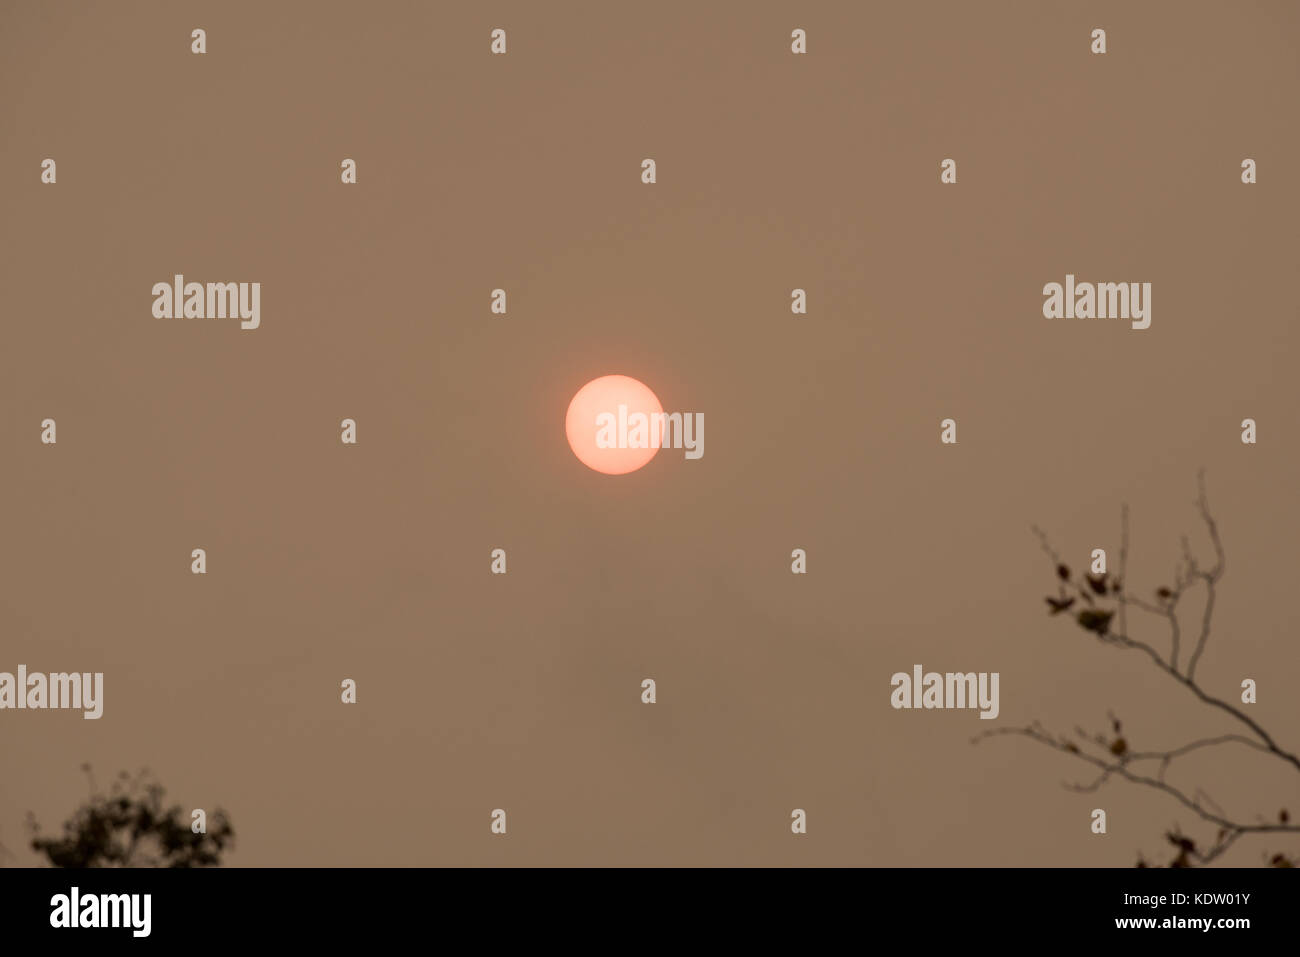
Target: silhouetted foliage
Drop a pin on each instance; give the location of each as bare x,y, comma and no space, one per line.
1111,754
129,827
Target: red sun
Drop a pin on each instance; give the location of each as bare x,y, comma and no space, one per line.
595,415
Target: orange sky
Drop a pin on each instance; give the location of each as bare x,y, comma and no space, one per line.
522,172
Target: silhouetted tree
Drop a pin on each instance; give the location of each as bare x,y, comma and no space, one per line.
1102,602
128,827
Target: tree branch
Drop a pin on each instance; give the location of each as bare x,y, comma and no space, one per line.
1114,759
1119,767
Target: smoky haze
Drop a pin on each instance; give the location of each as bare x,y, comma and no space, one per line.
474,172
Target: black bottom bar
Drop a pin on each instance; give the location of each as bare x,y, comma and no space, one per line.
661,907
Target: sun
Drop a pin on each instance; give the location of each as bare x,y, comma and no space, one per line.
618,396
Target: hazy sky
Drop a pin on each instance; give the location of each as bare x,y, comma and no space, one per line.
522,172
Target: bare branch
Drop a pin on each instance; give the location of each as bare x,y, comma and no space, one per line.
1166,757
1120,768
1047,546
1210,577
1226,841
